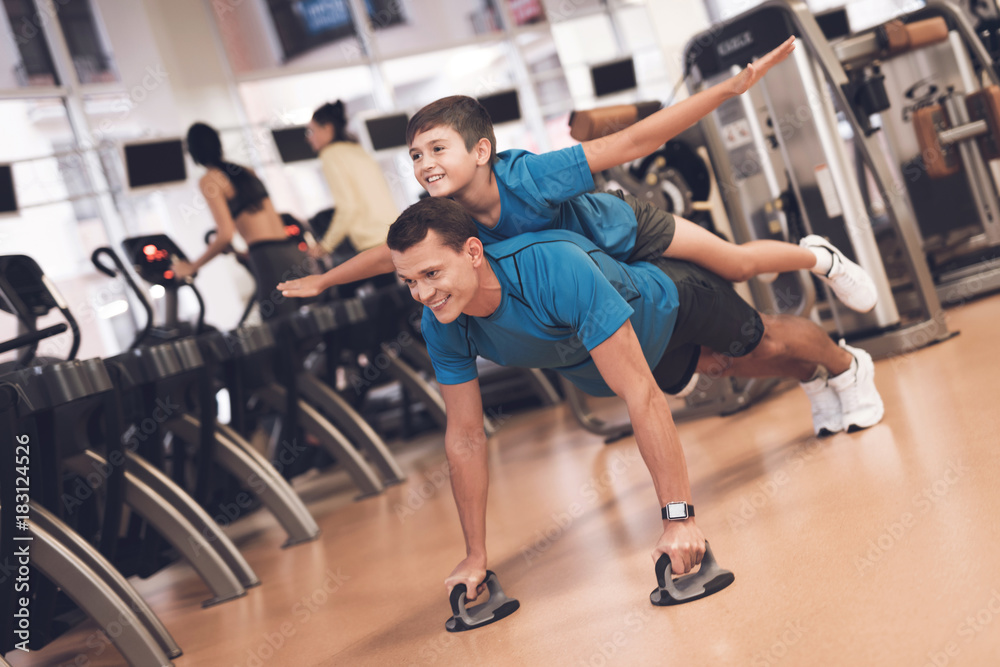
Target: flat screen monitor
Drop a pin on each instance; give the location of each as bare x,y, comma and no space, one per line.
155,163
387,131
292,144
503,107
303,25
834,23
613,77
8,198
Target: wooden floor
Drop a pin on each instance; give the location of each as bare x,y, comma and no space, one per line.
876,548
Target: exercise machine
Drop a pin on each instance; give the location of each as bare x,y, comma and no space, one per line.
781,146
941,125
151,256
60,400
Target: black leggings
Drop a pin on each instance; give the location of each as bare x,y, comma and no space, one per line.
275,262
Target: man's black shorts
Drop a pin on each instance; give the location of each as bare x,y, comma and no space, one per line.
710,313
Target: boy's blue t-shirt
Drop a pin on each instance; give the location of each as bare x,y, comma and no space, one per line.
552,191
561,296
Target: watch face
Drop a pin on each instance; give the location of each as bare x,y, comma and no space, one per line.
677,510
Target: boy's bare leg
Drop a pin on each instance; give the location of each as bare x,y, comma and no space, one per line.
735,263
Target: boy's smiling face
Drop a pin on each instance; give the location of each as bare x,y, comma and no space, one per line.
442,164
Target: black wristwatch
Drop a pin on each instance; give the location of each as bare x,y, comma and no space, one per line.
677,511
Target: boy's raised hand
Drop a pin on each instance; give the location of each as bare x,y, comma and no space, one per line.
756,70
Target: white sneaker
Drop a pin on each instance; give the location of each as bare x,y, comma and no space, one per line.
849,282
826,412
860,402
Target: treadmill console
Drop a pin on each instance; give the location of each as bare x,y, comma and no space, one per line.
152,257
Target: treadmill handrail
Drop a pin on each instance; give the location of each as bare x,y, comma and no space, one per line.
32,337
111,273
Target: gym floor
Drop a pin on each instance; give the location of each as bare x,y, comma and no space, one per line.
873,548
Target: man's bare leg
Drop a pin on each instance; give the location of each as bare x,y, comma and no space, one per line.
792,347
839,380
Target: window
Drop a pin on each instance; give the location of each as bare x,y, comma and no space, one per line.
57,216
91,57
30,63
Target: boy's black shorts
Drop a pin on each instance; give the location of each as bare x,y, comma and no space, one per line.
710,313
655,229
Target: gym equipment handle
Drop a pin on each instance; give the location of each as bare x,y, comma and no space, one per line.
499,606
32,337
900,37
709,579
600,122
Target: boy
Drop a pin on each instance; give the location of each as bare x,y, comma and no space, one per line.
453,150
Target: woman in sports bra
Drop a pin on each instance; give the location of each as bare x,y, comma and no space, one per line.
239,202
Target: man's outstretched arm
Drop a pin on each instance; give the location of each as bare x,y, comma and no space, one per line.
465,446
623,367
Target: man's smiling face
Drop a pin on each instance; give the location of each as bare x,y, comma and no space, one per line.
439,277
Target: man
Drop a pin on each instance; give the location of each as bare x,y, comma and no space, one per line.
553,299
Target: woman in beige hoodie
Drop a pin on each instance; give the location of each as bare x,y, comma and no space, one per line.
363,204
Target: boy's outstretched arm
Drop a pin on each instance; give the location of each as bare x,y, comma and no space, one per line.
366,264
646,136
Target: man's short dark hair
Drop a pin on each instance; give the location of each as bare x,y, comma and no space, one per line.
451,222
463,114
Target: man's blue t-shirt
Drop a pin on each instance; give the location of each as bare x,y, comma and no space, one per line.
552,191
561,296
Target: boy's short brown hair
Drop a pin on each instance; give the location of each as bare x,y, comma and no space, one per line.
461,113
